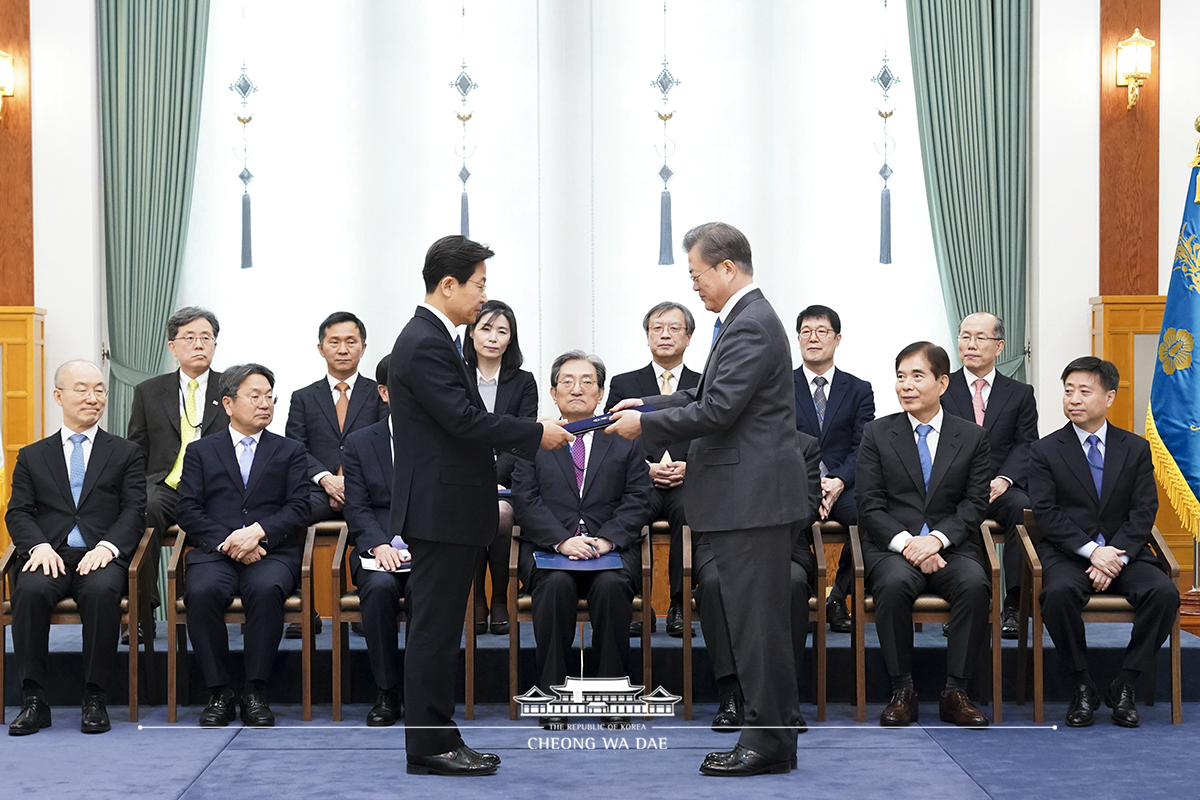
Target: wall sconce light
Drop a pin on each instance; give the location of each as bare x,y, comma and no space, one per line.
8,78
1133,64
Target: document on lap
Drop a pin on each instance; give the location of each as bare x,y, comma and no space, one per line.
369,563
544,560
602,421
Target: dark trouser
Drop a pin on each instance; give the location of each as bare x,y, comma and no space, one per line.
160,515
436,603
1066,587
844,511
209,588
755,570
1009,511
379,596
318,503
668,504
895,583
98,595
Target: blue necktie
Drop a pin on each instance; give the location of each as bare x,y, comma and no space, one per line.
75,538
246,459
458,344
1095,461
716,330
926,461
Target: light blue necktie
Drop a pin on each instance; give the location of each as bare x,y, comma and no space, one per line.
1095,461
716,331
926,461
246,459
75,538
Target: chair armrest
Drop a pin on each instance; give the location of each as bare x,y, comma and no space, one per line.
818,549
1160,544
513,550
175,565
647,566
856,552
7,564
989,547
1031,556
310,538
139,555
339,560
687,551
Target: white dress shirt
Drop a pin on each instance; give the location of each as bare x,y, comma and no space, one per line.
931,440
238,447
1102,435
990,380
201,393
810,376
450,327
68,449
723,314
676,374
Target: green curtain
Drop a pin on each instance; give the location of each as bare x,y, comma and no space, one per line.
151,76
970,62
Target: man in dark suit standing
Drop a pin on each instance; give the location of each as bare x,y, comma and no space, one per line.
741,494
922,492
583,503
1007,411
169,412
76,515
444,493
669,327
368,473
833,406
1094,501
243,501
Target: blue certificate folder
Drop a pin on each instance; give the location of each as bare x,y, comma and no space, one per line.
602,421
609,560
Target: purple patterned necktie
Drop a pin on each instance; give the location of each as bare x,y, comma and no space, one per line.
577,456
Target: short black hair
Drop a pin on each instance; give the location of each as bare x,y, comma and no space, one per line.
817,312
190,314
578,355
689,321
512,358
719,241
381,370
456,256
1105,371
938,360
232,378
338,317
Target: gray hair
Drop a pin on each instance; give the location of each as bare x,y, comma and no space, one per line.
719,241
232,378
998,331
578,355
663,308
190,314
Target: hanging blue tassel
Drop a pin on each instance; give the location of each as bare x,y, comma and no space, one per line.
247,261
466,219
665,254
885,226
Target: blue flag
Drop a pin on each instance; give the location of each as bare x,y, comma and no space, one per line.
1173,419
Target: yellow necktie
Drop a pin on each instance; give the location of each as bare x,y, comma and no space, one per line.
187,432
666,381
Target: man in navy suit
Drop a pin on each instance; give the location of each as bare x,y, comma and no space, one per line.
582,503
1094,502
243,501
669,327
833,406
76,515
368,471
1007,411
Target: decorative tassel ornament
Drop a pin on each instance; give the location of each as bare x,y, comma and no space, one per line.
465,224
665,254
665,82
247,260
885,79
885,226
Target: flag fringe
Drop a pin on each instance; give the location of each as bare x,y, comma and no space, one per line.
1175,486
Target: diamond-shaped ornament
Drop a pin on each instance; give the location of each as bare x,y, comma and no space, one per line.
245,176
463,174
665,81
885,172
463,83
885,78
665,173
243,86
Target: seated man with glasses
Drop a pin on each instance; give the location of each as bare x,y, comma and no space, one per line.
669,327
244,504
171,411
581,502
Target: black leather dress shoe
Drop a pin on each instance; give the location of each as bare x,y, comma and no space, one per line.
801,726
635,627
463,761
742,762
255,711
729,714
357,629
1120,700
95,715
615,723
220,711
35,715
553,723
901,709
499,628
388,709
675,620
144,632
838,615
1010,623
294,630
1081,712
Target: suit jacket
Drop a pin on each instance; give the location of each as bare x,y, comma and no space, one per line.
112,503
891,493
516,396
643,383
444,484
1066,507
312,420
1010,420
368,472
213,502
154,419
850,405
741,420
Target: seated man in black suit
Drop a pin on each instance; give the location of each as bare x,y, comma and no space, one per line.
582,503
922,483
834,406
714,624
669,327
1094,501
243,502
1007,411
76,515
368,473
169,412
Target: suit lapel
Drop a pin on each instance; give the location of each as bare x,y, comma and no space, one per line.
57,465
563,456
468,376
212,402
957,398
169,397
600,448
327,406
1001,392
225,451
804,401
947,450
689,379
746,300
1073,455
382,445
647,384
101,450
837,393
1115,452
504,389
905,448
262,454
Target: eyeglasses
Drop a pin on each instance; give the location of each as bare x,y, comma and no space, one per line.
99,392
584,383
481,284
820,333
674,329
966,338
191,341
696,278
259,399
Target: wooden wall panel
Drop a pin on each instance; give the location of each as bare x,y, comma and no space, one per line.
1128,157
23,365
16,163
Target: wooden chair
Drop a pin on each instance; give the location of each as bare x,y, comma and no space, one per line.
823,533
1099,608
520,609
927,608
66,612
296,608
